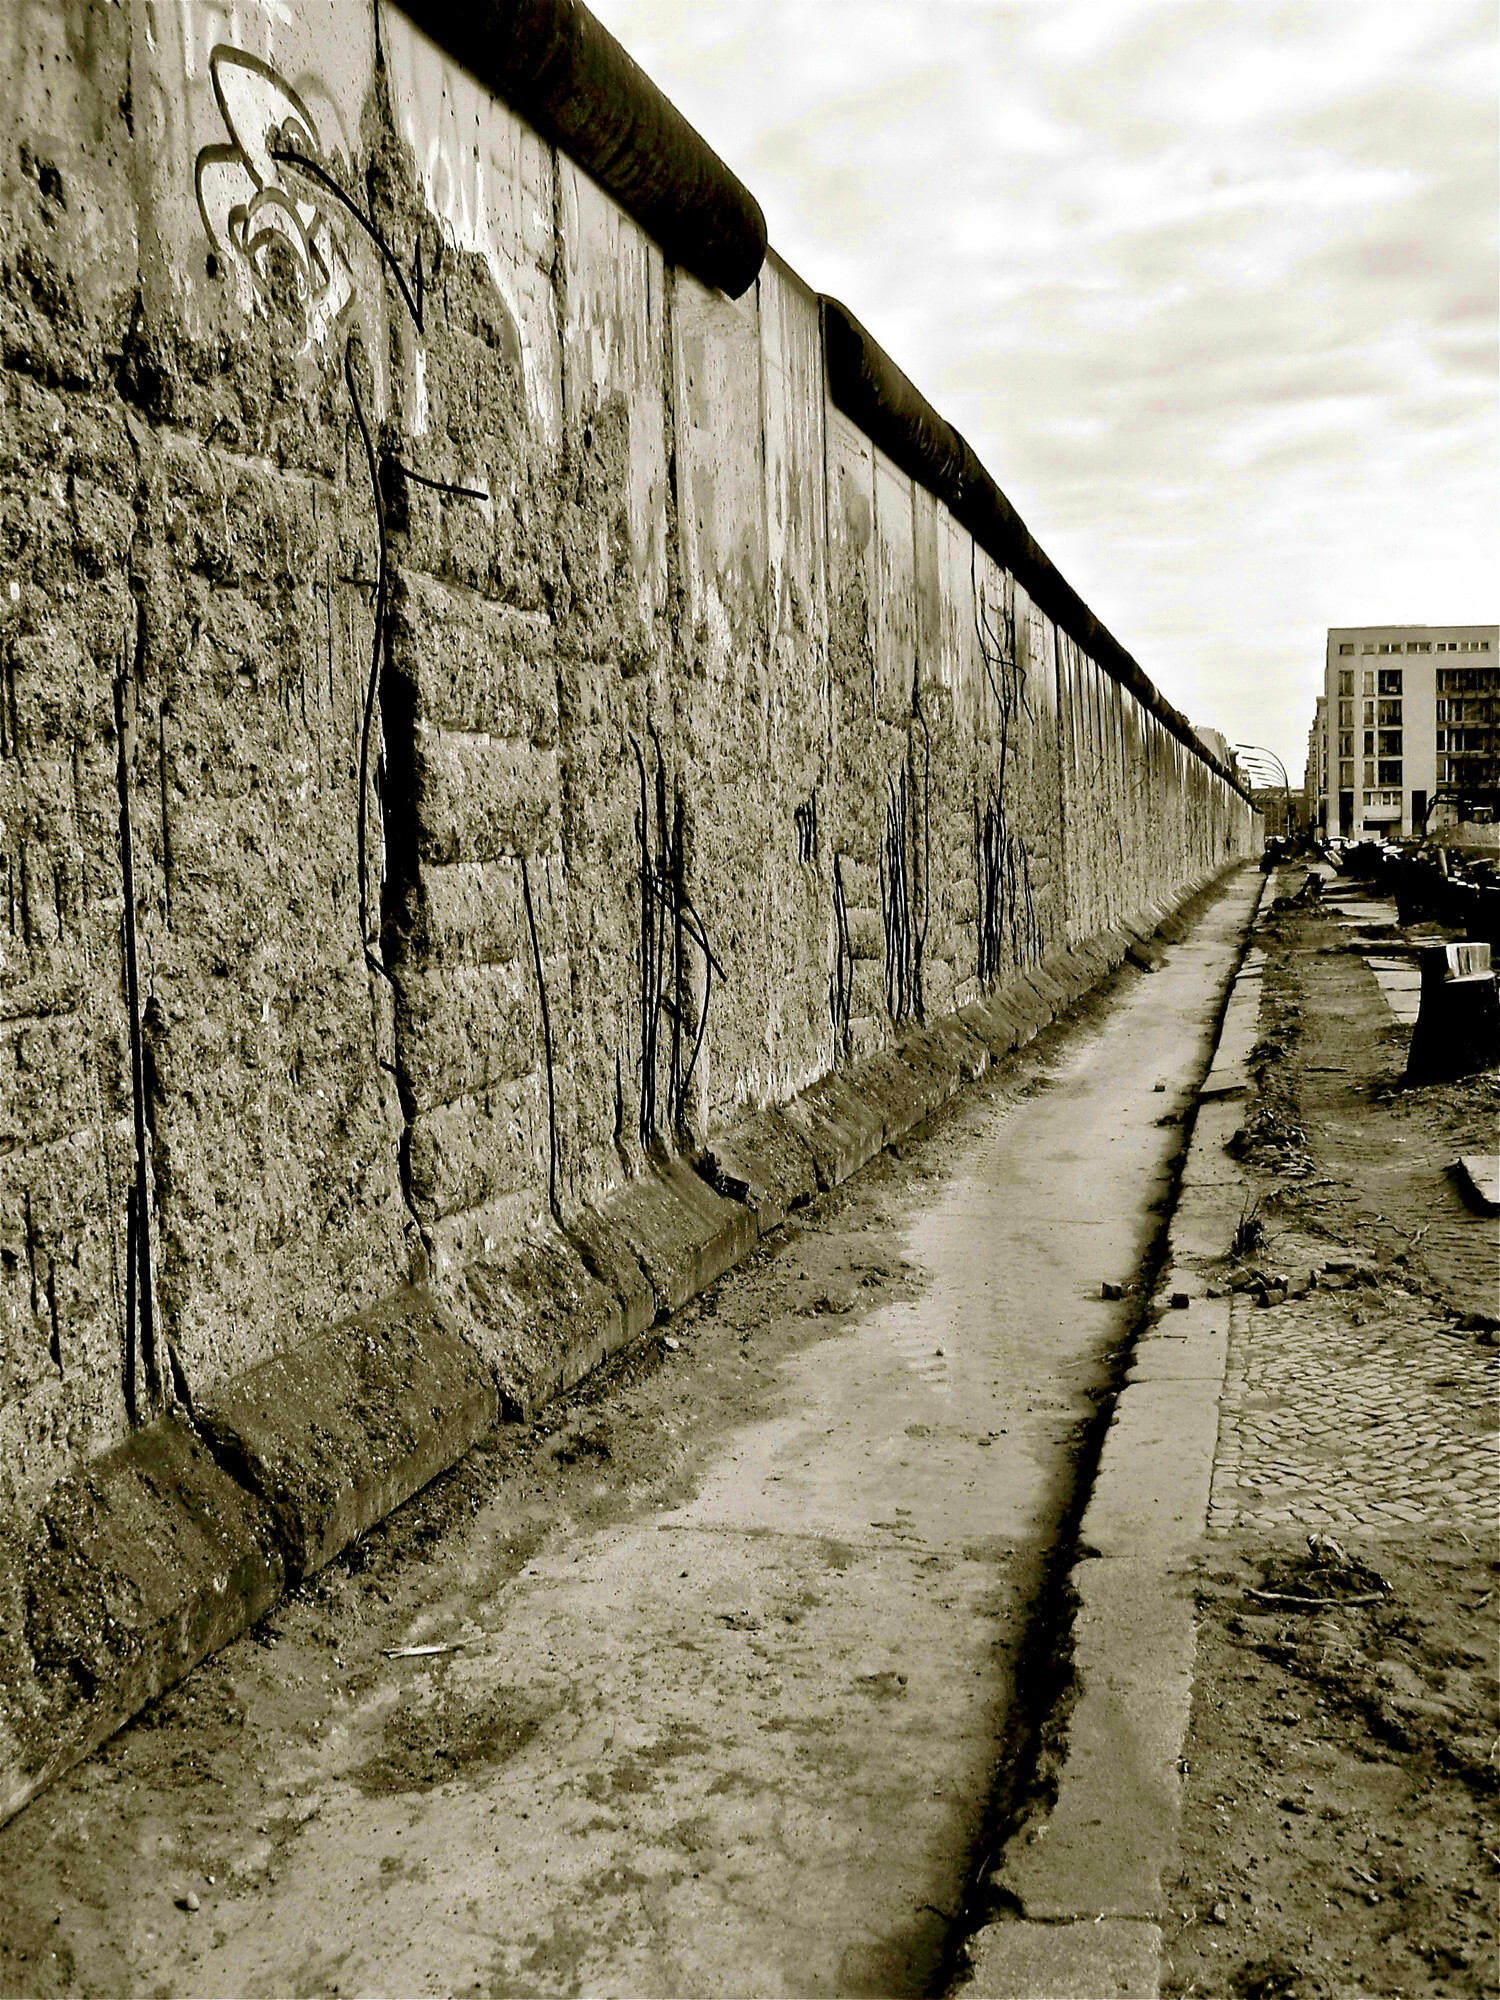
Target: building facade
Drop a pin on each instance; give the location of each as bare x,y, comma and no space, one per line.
1411,727
1315,771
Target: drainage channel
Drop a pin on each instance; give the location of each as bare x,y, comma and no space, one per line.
1026,1778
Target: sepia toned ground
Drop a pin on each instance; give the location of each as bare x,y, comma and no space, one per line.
1340,1826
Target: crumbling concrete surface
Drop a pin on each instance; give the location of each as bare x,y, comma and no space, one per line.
476,727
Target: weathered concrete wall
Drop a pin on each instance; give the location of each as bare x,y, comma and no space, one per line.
473,711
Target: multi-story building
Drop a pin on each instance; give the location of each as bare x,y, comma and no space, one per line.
1411,726
1315,771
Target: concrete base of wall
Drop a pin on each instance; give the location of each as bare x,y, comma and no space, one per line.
163,1550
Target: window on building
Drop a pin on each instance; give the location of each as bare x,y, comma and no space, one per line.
1345,647
1369,715
1419,645
1442,739
1390,715
1369,743
1442,711
1346,775
1390,773
1392,798
1369,681
1346,742
1367,649
1390,680
1369,772
1346,715
1390,742
1346,680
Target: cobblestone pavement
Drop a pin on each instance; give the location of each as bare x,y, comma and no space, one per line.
1357,1409
1384,1426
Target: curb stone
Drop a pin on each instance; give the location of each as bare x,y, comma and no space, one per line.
1077,1961
1084,1877
159,1552
1098,1853
134,1569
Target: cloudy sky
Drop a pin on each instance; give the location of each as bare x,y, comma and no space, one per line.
1209,284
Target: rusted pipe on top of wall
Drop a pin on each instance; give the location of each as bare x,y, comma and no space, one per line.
557,65
868,386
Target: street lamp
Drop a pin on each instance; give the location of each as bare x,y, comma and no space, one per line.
1251,751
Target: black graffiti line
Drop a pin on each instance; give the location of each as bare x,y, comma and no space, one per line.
286,156
541,992
436,485
140,1308
669,923
921,935
377,647
651,944
841,981
692,923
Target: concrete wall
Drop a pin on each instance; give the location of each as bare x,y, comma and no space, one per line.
471,708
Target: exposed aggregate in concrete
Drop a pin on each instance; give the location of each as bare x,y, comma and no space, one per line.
539,728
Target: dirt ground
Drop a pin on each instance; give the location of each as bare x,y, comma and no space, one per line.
1340,1833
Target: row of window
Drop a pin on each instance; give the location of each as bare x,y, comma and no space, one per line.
1467,711
1420,646
1450,680
1478,742
1384,714
1377,771
1389,681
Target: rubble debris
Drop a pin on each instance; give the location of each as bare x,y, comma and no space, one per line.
1478,1177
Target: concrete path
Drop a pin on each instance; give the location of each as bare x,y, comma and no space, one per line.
1397,978
744,1744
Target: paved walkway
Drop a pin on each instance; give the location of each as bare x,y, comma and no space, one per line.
1329,1424
1352,1410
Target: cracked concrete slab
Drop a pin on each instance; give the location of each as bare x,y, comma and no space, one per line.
1151,1490
1113,1960
1102,1848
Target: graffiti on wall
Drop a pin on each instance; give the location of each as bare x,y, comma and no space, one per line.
1007,926
268,224
674,947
